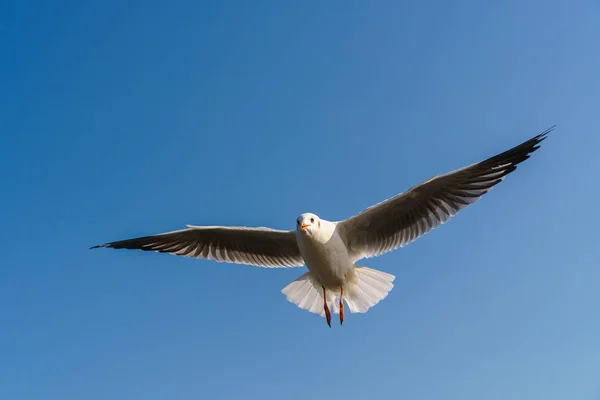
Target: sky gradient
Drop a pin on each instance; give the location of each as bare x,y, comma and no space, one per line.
120,120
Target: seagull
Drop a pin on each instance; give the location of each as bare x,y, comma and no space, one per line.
330,250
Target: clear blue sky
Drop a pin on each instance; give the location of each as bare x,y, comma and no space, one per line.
125,120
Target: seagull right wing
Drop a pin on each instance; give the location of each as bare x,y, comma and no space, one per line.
403,218
261,247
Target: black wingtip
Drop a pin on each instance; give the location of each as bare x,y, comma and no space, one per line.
543,135
98,246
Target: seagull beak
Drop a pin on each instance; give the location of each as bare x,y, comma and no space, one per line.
304,226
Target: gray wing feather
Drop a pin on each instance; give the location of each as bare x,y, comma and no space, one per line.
262,247
403,218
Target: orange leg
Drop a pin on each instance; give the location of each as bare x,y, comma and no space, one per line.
342,305
326,308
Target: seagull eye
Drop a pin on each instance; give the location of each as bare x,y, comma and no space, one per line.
312,220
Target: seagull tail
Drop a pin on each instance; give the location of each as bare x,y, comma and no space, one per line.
304,293
368,288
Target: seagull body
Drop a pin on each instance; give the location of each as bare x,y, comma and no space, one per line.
330,250
323,250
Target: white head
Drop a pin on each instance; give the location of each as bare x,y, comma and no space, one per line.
307,223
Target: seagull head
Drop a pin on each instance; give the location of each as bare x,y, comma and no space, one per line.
308,223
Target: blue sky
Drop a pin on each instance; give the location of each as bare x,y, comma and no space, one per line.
125,120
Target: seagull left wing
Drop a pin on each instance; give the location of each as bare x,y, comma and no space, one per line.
262,247
403,218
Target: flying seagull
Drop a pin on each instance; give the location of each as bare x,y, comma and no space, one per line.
330,249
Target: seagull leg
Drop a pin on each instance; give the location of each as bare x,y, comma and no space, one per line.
326,308
341,305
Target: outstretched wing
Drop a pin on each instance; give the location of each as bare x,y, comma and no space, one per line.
262,247
402,219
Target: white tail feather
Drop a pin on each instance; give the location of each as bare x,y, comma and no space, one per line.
366,288
305,294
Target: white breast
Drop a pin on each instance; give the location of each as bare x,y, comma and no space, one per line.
325,255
